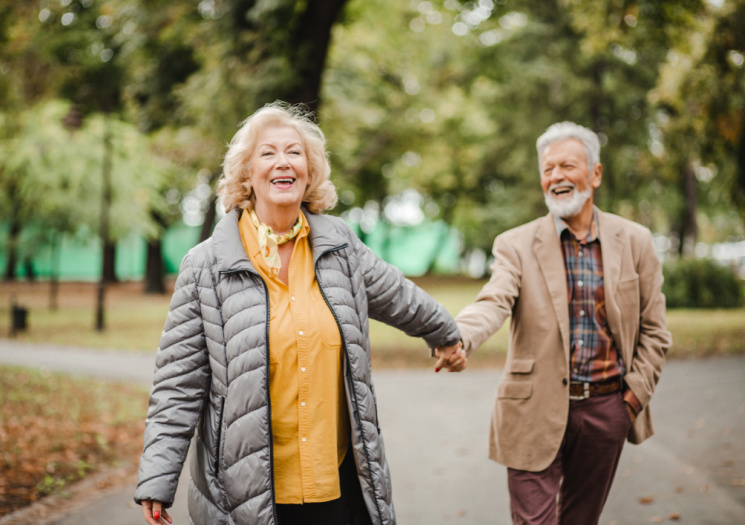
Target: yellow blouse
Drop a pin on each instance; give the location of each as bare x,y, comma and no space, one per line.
310,423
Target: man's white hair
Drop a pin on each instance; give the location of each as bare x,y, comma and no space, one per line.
570,130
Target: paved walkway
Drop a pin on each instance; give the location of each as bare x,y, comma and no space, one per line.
436,427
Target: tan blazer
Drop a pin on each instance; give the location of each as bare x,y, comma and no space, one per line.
528,283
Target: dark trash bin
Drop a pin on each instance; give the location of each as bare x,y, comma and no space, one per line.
20,318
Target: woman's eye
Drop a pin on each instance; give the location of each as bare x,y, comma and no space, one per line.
266,153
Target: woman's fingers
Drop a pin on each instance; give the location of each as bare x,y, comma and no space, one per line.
157,507
147,511
154,512
457,361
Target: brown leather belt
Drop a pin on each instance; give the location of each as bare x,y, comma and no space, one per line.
579,391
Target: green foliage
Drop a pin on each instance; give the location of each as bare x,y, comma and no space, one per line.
701,283
52,177
443,96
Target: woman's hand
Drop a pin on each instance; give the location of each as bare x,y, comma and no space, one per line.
154,512
453,358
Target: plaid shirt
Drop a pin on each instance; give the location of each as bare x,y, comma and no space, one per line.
594,355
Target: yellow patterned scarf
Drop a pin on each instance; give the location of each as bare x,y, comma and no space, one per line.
269,242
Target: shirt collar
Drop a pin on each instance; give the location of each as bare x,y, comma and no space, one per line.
594,229
250,234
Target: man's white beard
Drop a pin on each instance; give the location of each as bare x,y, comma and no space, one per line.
566,208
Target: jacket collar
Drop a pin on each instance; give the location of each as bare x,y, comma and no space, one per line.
547,249
229,252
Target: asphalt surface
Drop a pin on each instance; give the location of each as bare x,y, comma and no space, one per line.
436,426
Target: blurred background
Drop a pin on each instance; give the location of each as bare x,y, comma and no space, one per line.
115,115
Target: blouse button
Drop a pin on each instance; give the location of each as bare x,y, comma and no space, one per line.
300,332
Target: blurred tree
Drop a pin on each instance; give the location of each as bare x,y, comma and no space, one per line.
25,77
198,69
701,121
450,97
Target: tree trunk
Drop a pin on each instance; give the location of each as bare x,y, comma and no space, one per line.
689,226
312,39
209,219
109,262
740,167
155,271
28,268
107,247
13,233
442,240
54,273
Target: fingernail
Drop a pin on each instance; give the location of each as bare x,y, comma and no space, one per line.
437,369
156,514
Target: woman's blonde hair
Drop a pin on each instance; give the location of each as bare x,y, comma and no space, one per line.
234,187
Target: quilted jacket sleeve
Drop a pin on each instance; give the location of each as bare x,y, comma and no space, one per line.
395,300
180,384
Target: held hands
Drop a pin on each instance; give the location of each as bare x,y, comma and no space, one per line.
154,512
453,358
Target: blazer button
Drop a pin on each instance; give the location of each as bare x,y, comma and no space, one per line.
564,381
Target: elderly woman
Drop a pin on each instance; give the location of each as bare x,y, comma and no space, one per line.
265,351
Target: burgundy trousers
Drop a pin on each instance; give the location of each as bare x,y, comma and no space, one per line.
573,489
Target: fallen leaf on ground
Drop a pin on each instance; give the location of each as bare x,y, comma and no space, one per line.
738,483
656,519
674,516
646,500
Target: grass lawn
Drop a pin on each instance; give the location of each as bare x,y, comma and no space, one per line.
135,320
54,429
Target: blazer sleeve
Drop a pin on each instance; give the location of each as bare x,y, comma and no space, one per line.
654,339
494,303
395,300
180,384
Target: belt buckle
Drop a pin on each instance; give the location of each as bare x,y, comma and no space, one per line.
585,393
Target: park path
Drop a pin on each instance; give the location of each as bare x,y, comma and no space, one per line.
436,427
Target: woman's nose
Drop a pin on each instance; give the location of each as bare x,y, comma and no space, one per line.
283,161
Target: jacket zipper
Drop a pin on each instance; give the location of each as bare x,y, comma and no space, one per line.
219,436
266,384
351,381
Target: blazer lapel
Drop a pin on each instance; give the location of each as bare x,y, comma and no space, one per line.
612,239
547,249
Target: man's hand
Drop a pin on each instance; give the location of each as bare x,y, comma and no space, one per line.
632,413
453,358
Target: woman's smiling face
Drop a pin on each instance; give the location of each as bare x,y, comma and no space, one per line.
279,169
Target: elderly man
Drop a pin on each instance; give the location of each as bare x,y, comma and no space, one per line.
587,339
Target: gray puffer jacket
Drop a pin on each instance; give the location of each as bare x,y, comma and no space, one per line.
212,372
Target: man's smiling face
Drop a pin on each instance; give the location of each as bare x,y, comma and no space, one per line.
565,177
